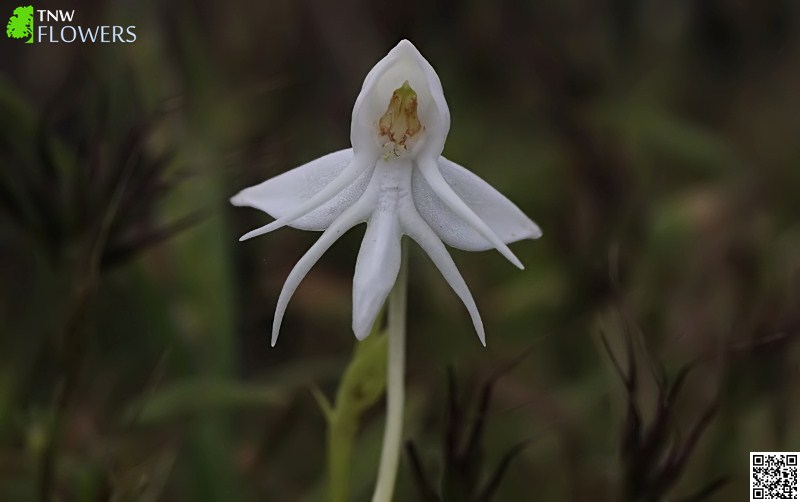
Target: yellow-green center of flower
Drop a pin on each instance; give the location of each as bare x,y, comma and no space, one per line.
400,124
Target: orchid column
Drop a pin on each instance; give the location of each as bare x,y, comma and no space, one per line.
394,179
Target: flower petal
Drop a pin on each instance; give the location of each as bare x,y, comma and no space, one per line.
500,214
439,186
352,216
415,227
311,196
376,268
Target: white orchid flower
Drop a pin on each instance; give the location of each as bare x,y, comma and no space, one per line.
395,179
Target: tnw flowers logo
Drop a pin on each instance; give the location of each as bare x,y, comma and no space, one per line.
56,26
20,25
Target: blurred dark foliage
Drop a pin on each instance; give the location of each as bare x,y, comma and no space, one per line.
79,185
654,455
462,452
78,179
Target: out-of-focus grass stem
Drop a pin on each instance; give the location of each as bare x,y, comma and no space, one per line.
71,339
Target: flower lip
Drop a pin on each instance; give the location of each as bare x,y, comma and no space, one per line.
403,63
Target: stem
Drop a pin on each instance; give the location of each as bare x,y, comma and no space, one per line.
392,434
341,434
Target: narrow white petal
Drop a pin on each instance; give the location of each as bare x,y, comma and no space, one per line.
433,176
415,227
376,268
354,215
348,175
500,214
285,192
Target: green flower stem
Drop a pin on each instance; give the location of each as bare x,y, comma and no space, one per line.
362,385
341,434
395,388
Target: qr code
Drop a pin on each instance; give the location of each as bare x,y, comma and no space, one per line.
773,476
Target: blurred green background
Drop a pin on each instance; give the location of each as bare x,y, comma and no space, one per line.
655,143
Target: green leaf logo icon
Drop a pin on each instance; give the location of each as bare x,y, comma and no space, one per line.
20,24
